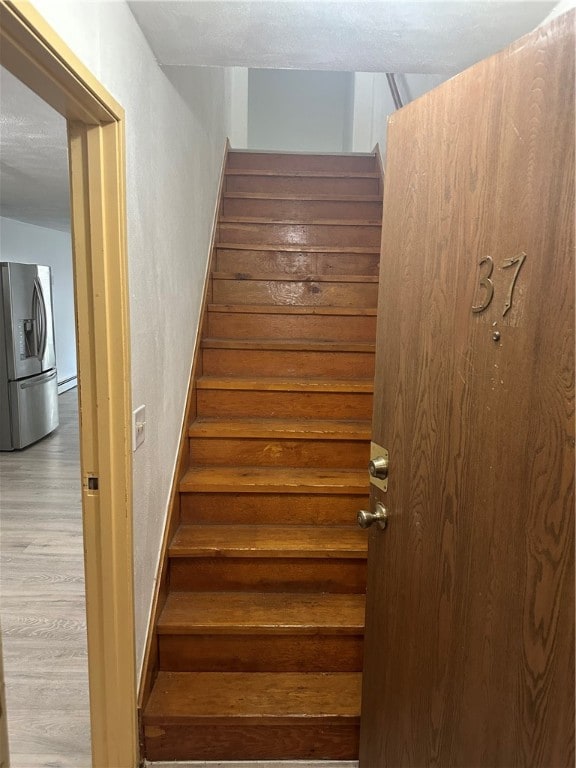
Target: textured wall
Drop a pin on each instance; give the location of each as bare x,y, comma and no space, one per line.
30,244
173,155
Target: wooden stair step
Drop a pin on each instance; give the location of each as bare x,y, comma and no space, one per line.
294,208
262,384
262,613
274,480
335,174
301,161
228,396
287,290
339,232
300,248
295,429
283,277
303,197
299,222
302,262
273,309
358,325
362,184
294,345
253,716
269,541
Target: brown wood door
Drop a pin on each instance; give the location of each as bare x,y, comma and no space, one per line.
470,616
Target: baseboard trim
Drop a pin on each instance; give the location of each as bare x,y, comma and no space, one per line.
66,384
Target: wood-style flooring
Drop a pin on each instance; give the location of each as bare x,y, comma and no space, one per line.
42,602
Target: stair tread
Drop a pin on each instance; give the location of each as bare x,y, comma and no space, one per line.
333,174
299,222
277,696
262,613
299,248
285,384
306,345
303,541
304,197
297,278
280,428
285,309
274,480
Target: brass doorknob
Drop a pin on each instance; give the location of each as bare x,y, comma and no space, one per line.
380,516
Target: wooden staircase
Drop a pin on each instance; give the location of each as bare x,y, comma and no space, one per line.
257,652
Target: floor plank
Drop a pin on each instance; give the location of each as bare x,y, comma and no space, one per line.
42,603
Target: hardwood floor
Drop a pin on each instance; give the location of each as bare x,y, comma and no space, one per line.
42,603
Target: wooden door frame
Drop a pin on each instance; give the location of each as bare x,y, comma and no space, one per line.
37,56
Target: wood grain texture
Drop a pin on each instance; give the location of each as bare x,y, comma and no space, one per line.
269,574
284,363
261,653
274,479
362,184
231,290
193,613
303,209
263,508
296,741
43,602
471,589
265,325
268,541
308,429
197,697
270,402
343,233
292,162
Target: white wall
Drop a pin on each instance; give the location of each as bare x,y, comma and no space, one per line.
297,110
30,244
373,104
173,156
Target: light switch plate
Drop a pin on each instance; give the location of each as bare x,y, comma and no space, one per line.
138,427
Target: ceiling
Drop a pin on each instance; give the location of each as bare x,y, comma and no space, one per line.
427,36
33,158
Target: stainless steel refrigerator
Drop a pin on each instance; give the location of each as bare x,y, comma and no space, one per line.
28,383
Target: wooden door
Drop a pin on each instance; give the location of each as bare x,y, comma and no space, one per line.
470,616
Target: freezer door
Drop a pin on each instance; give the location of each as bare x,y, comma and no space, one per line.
20,319
33,408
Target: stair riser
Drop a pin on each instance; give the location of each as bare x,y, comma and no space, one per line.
250,362
276,161
229,574
235,325
260,653
296,263
270,509
301,234
270,452
294,293
303,210
302,185
319,405
265,741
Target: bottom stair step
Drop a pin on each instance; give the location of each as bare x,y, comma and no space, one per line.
255,716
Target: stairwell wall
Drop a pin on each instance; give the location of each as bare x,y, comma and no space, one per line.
173,155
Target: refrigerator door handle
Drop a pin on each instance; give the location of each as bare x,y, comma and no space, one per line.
36,380
42,320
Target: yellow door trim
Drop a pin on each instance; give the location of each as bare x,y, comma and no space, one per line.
32,51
